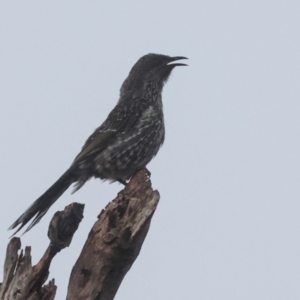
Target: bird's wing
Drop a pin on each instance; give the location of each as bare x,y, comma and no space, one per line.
121,119
95,143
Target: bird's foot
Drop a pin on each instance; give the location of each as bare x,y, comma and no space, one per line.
148,172
122,181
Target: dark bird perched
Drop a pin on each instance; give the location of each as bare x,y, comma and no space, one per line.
127,140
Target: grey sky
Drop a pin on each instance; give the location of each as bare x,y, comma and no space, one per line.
227,226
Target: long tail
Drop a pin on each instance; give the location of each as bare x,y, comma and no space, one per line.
39,207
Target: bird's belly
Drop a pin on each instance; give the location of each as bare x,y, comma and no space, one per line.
128,154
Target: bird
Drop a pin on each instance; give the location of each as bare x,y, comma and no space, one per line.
124,143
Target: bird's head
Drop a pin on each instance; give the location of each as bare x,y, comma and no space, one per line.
153,69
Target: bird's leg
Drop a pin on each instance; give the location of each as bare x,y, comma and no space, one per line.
148,172
122,181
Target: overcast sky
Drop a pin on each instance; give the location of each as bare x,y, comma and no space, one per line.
227,225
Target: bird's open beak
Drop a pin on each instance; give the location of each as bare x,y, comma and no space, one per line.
174,59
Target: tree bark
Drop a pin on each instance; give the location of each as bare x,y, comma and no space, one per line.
21,280
112,246
114,242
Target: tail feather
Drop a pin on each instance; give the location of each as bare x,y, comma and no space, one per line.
39,208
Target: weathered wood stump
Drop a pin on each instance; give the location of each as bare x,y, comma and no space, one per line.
112,246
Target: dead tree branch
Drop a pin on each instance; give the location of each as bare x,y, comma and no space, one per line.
114,242
21,280
111,248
